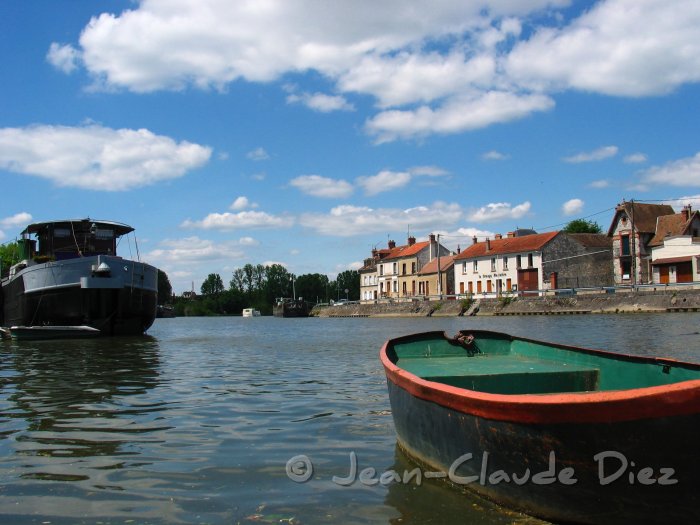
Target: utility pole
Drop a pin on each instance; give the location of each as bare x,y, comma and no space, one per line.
634,250
439,286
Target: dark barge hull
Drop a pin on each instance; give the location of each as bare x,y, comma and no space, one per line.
512,439
291,309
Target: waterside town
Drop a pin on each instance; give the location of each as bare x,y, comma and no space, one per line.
645,244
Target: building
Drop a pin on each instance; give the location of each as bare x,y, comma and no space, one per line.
675,248
392,273
532,263
632,229
428,277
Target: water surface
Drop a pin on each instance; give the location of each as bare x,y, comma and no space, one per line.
196,422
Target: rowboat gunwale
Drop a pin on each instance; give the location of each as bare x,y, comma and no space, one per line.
677,399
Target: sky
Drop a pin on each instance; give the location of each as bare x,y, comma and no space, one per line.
306,132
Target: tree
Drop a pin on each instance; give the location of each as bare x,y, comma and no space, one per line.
582,226
348,280
212,285
9,255
312,287
165,289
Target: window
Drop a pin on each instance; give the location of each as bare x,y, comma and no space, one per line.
493,264
478,286
470,287
413,267
488,286
625,245
381,269
464,267
505,263
509,284
405,290
396,286
475,268
518,261
529,260
626,268
395,269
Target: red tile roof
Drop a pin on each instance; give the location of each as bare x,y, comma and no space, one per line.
643,215
446,262
407,250
527,243
670,225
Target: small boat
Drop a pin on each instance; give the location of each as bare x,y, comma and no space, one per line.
34,333
250,312
286,307
564,433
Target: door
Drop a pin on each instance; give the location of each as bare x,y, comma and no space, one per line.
663,274
461,287
528,279
672,274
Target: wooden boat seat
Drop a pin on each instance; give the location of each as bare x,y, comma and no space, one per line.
505,374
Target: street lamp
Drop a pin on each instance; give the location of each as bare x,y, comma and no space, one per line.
294,293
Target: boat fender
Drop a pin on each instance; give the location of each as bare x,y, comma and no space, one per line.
464,340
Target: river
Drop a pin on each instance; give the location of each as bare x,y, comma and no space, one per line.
196,422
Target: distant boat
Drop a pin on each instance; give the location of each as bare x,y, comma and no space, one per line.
74,278
567,434
251,312
285,307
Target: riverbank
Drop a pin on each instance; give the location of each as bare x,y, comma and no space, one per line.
620,302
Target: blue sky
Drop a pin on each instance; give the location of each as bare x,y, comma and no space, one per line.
307,132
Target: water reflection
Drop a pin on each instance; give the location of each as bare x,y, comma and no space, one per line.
73,410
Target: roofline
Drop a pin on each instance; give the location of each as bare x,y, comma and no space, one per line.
120,227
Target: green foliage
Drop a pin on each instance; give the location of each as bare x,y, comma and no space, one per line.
165,289
257,286
582,226
9,255
212,285
467,303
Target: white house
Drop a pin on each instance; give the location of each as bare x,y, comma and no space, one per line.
676,260
497,266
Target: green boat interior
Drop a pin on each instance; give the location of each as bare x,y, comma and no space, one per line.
498,364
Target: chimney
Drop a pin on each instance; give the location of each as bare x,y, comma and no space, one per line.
685,213
459,250
374,253
432,238
474,240
488,244
411,241
511,235
499,236
392,245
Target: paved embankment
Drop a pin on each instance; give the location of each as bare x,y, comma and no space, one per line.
620,302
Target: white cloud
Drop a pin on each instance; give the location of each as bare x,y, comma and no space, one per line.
494,155
599,184
347,220
457,114
248,241
498,211
189,250
385,180
428,171
321,102
98,158
572,207
682,172
602,153
617,47
2,235
63,57
20,219
240,220
678,204
258,154
318,186
635,158
241,203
